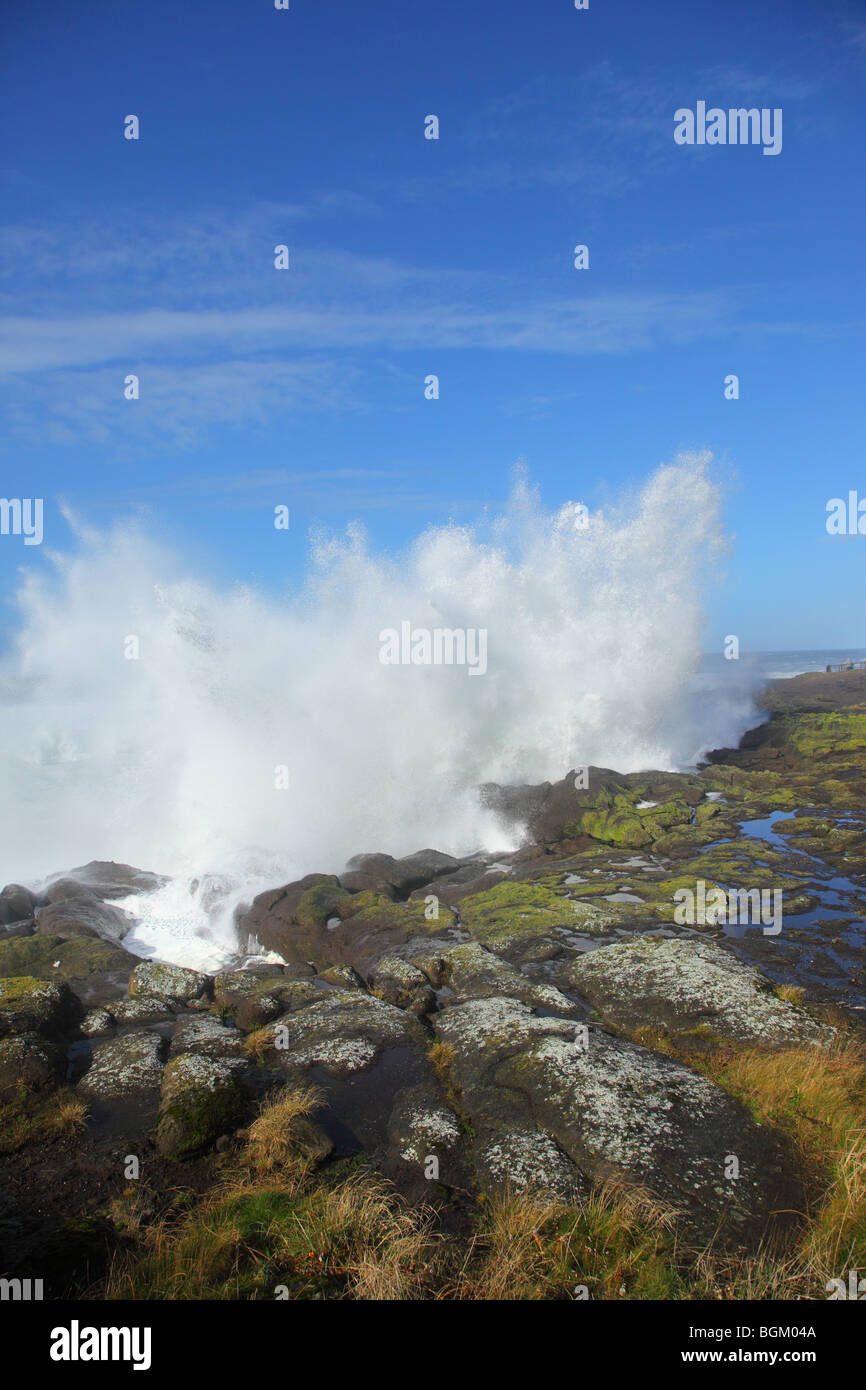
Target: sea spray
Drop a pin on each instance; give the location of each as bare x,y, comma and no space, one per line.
263,738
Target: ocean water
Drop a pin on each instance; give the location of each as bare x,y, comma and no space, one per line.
253,739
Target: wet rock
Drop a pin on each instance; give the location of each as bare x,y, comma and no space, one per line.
684,985
16,904
356,881
403,875
422,1127
97,970
28,1005
252,1001
25,928
109,880
83,915
231,986
168,981
272,917
201,1099
30,1063
126,1066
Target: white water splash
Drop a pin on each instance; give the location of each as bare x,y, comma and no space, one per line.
168,762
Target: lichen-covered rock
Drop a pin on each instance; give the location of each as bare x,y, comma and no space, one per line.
168,981
231,986
472,972
30,1063
531,1086
97,1023
201,1098
208,1036
400,983
683,985
343,977
28,1005
252,1004
343,1032
144,1008
126,1066
422,1127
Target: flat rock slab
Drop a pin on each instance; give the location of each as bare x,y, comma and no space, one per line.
343,1032
208,1037
126,1066
682,985
550,1108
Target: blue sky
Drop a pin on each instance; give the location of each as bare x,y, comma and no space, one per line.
453,257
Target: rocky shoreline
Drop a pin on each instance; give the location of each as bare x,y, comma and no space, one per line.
542,1023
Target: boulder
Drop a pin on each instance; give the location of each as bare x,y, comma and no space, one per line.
30,1063
28,1005
127,1066
201,1099
403,875
343,1032
168,981
10,929
83,914
143,1009
400,983
16,904
109,880
472,972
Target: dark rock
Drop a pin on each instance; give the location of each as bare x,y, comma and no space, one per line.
108,880
31,1063
83,914
26,928
16,904
28,1005
97,970
200,1100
